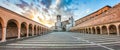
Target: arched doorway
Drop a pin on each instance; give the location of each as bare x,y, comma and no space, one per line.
104,30
38,31
86,30
30,29
113,30
0,31
35,30
93,29
12,29
98,30
23,29
89,31
119,28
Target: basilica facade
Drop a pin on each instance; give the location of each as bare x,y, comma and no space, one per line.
64,25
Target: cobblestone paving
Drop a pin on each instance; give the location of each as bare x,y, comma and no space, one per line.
66,41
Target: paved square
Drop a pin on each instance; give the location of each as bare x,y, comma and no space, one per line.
67,40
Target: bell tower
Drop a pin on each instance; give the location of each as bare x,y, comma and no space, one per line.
58,24
58,18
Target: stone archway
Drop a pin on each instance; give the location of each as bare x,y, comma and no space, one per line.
12,29
0,31
1,25
30,29
89,31
38,30
113,30
86,30
98,30
23,29
104,30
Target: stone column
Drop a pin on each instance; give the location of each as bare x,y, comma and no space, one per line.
36,31
91,30
82,30
39,31
117,28
27,31
46,30
33,31
3,34
43,30
101,30
19,33
95,30
88,31
79,31
85,30
108,32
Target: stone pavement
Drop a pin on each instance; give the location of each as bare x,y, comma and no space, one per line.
66,41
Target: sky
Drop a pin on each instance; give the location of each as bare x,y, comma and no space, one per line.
45,11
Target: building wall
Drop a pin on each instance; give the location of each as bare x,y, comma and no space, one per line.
107,22
92,15
109,16
8,29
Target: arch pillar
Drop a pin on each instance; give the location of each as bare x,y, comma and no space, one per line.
79,30
43,30
91,30
36,31
95,30
46,30
3,34
85,30
117,28
39,31
108,31
101,30
19,29
33,30
27,30
88,30
82,30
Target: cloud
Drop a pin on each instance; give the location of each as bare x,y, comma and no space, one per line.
41,10
47,3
